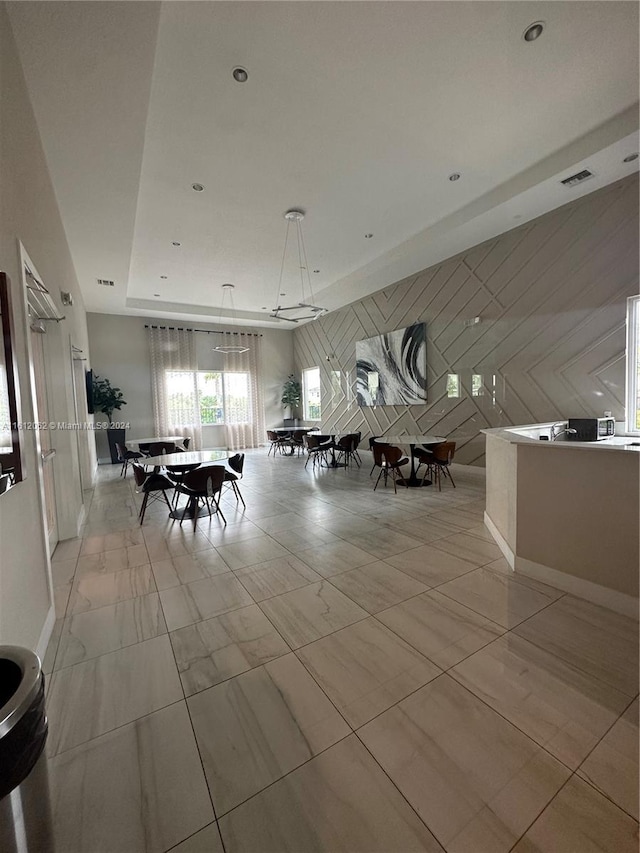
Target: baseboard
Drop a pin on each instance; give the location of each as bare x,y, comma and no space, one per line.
45,634
501,542
619,602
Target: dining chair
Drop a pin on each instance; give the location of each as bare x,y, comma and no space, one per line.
186,442
317,447
297,440
346,446
236,463
125,457
389,459
151,485
372,443
277,441
203,484
442,457
159,448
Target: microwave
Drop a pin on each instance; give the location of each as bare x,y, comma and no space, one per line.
591,429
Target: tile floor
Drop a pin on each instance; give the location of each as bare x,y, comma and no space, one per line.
335,670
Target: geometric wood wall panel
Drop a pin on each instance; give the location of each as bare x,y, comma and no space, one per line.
551,296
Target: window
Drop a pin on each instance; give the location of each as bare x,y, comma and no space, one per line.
633,364
477,388
453,385
311,393
207,398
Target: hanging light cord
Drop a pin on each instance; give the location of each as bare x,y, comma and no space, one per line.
304,264
284,255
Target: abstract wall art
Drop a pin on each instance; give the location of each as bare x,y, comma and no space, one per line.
392,369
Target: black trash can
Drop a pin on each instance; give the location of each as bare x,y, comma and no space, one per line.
25,812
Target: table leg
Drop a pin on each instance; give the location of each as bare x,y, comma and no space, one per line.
413,481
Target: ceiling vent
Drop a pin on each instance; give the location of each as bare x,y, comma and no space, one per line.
105,282
578,178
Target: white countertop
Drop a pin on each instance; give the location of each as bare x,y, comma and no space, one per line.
528,434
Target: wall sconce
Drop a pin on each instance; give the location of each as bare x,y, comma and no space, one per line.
472,322
66,298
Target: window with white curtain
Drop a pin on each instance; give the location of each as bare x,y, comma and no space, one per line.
311,392
208,398
633,364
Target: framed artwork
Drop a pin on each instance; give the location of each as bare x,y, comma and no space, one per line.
392,369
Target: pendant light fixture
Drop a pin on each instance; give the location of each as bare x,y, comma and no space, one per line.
229,348
306,305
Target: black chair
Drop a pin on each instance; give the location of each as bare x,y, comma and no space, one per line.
372,443
278,441
296,442
317,448
125,457
204,484
346,446
159,448
150,485
186,442
441,458
389,459
236,463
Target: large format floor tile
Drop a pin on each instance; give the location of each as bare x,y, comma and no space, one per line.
339,801
116,560
383,542
203,599
599,641
275,577
560,707
258,726
474,549
248,552
612,767
311,612
580,820
365,669
186,568
440,628
498,596
212,651
430,566
93,697
98,590
335,557
96,632
206,841
112,541
474,779
138,789
377,585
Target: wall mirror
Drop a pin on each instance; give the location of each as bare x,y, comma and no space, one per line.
11,471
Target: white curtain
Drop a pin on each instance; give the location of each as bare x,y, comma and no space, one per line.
173,351
250,433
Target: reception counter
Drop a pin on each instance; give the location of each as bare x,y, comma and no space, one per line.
567,513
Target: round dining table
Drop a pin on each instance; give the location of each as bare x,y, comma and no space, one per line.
412,440
188,460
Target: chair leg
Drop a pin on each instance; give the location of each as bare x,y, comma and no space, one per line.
166,499
219,511
143,508
378,480
237,491
448,473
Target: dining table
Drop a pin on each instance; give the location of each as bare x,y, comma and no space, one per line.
184,461
166,439
286,431
412,481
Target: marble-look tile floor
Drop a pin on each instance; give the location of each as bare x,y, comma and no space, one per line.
334,670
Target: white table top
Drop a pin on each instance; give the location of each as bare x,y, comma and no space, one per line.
293,429
176,439
410,439
190,457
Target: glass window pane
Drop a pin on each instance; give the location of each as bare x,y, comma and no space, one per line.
210,398
453,385
312,393
477,389
236,387
181,397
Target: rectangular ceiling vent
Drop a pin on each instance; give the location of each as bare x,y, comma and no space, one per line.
105,282
578,178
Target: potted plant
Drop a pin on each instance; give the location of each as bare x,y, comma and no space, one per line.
291,394
107,399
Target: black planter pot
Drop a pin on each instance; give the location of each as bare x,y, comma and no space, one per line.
115,436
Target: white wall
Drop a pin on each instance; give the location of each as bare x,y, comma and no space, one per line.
119,352
29,214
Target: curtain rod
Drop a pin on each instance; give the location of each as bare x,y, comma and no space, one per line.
206,331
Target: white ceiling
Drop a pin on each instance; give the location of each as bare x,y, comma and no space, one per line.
355,111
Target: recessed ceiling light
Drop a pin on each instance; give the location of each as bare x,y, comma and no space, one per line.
533,31
454,176
163,276
264,308
156,294
197,187
175,243
283,294
368,236
630,158
240,74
